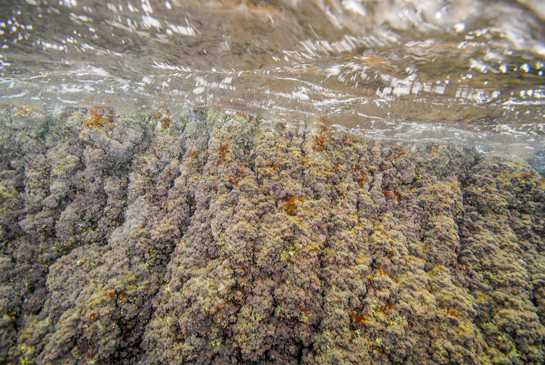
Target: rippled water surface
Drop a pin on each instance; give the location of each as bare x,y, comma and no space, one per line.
468,71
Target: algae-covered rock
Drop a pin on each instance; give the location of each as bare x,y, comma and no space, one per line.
221,238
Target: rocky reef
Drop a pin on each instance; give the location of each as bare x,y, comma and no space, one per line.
218,238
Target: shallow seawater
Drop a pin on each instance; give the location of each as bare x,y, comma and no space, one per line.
463,71
272,182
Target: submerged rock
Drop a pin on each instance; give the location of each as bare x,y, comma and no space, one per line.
219,238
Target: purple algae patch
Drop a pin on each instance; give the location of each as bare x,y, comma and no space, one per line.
219,238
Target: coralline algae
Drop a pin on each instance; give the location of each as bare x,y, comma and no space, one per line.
219,238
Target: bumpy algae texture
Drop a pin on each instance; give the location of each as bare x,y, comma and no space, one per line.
216,238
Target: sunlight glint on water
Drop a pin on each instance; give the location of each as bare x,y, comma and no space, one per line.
471,71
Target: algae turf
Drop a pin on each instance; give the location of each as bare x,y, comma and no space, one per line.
218,238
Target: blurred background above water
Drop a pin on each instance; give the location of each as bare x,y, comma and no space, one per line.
463,70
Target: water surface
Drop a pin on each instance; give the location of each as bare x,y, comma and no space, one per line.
465,71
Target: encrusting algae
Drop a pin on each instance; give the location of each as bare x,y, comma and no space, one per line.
220,238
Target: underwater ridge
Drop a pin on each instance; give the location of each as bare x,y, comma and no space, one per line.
214,237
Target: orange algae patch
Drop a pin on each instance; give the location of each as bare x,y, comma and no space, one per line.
391,195
399,153
302,308
109,293
362,180
97,118
165,122
122,297
23,110
291,207
233,180
454,314
434,149
319,141
382,273
223,150
242,168
7,107
358,318
387,307
312,68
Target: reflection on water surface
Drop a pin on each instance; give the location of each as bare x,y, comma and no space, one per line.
468,70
